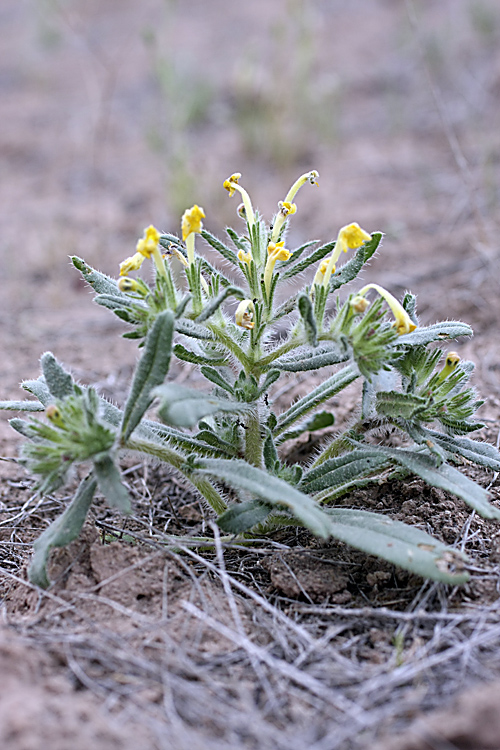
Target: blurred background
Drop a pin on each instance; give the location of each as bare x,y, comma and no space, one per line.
115,114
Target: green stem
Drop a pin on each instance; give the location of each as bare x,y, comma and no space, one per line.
178,462
253,440
226,340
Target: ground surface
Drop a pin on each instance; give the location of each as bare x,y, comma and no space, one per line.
115,115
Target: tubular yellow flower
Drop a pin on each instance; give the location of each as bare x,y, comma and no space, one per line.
148,247
244,314
403,323
192,221
131,264
285,209
452,360
231,184
244,257
349,237
320,273
311,177
275,251
191,224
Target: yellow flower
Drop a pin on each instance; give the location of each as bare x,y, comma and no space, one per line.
276,251
349,237
311,177
244,257
192,221
286,208
53,413
131,264
231,184
452,360
148,245
359,303
244,314
403,322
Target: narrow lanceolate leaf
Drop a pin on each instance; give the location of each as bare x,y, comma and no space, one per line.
221,248
449,329
39,389
59,382
312,259
188,328
184,407
306,311
317,396
21,406
62,531
243,516
110,483
241,475
394,404
215,377
480,453
213,305
186,355
445,477
101,283
403,545
337,472
150,372
323,355
317,422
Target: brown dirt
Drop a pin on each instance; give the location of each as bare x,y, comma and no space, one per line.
120,114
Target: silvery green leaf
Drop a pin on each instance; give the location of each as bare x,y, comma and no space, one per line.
312,259
213,305
241,475
449,329
39,389
188,328
150,371
184,407
21,406
445,477
394,404
406,546
306,311
110,482
479,452
186,355
62,531
243,516
101,283
215,377
318,421
59,382
223,249
318,395
343,470
303,359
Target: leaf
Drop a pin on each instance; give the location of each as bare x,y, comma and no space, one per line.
323,355
306,311
406,546
110,483
223,249
150,372
215,377
62,531
188,328
241,517
399,405
184,407
101,283
445,477
481,453
450,329
39,389
241,475
343,470
21,406
318,395
318,421
213,305
59,382
315,257
186,355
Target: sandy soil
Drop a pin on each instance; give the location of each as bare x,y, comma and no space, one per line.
115,115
